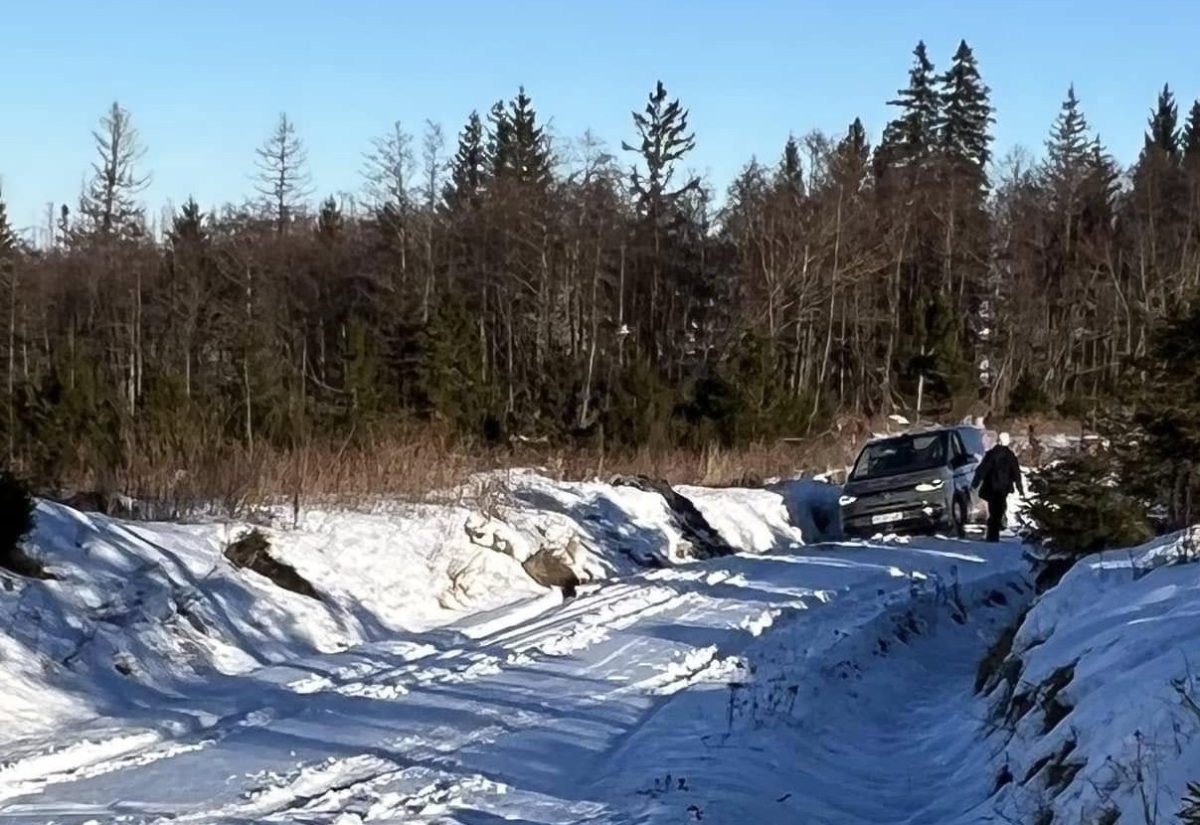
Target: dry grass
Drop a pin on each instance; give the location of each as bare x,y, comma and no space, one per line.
414,468
417,463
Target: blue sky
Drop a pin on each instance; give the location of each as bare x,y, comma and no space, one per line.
206,80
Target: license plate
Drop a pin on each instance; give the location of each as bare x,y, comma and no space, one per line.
886,518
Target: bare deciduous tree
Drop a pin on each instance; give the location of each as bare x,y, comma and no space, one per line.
282,179
108,203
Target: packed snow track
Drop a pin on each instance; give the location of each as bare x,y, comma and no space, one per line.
821,684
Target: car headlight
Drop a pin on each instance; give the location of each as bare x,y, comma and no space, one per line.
846,501
930,486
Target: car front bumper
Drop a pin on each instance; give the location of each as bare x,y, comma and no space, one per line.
898,513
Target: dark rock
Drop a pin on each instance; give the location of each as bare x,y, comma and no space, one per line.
549,567
89,501
252,552
705,541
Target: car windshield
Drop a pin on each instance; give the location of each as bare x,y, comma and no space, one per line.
904,454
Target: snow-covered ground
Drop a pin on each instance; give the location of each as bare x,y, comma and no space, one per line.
799,680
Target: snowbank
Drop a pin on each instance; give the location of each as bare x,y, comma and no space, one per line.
1100,712
150,607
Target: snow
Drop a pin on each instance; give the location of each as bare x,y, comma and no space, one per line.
1128,624
799,680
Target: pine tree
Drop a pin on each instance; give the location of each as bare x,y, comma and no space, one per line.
283,180
665,140
469,168
108,204
966,113
1164,124
908,139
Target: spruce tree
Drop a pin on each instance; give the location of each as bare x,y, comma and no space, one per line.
790,176
187,226
850,157
8,238
529,161
1164,124
1189,142
1068,152
469,168
1161,452
1189,150
908,139
966,113
8,279
500,139
1102,182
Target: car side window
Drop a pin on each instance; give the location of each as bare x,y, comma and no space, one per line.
960,452
972,442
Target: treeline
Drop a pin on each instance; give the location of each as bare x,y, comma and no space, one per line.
514,285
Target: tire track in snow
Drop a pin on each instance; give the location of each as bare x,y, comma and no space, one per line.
555,632
88,759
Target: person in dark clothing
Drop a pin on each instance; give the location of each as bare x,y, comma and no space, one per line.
996,477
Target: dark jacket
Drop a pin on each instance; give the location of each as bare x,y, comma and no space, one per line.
998,474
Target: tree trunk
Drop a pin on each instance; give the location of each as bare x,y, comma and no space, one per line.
833,284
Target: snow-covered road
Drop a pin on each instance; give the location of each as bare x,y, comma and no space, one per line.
819,684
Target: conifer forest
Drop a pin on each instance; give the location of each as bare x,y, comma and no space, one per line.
493,282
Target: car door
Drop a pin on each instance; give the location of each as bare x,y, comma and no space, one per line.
963,464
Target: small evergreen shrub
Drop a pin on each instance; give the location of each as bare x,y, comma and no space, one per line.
1190,813
1079,508
1027,397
